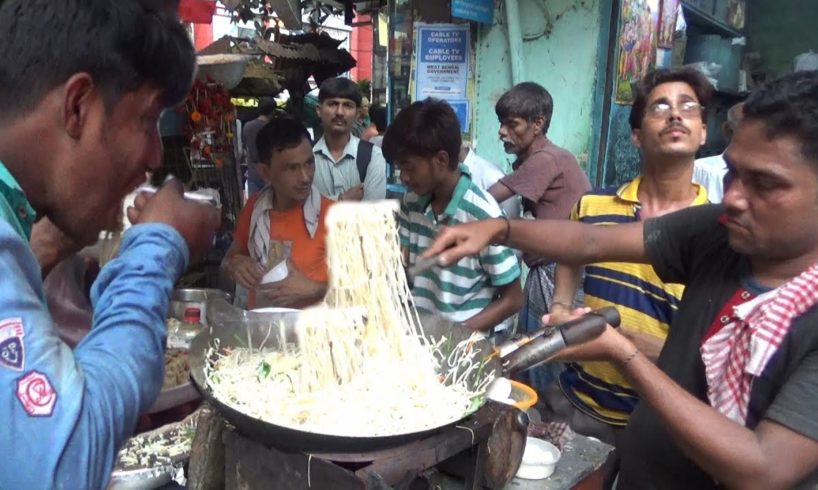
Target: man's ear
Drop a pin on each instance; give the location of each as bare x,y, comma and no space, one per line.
636,138
539,124
80,95
263,171
441,160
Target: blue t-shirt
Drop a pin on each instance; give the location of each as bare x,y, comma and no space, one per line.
66,413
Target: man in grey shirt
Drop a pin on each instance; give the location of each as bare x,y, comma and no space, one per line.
340,172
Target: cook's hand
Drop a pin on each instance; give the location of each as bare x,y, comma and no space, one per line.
610,346
195,221
353,194
455,242
50,245
244,271
295,290
560,314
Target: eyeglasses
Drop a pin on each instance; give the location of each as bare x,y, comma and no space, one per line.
688,110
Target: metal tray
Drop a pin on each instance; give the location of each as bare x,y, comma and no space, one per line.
175,396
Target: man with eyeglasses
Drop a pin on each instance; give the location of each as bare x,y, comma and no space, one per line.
668,126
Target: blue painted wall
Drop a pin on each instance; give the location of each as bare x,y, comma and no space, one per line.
561,51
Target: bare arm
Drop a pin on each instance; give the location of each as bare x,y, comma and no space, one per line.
509,299
771,456
500,192
566,283
649,345
564,241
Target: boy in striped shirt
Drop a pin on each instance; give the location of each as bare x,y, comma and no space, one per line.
479,291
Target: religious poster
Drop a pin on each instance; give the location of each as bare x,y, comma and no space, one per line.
735,13
637,45
667,23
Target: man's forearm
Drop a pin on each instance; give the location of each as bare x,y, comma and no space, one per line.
574,243
500,192
507,302
566,283
649,345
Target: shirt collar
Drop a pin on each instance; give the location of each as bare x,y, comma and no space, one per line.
10,190
463,184
350,150
630,192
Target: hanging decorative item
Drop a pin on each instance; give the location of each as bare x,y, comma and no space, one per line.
637,45
667,24
210,116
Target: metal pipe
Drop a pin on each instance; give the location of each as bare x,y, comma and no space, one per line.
515,41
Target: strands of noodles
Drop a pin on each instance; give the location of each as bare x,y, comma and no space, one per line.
362,366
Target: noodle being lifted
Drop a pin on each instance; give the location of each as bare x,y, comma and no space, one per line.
362,366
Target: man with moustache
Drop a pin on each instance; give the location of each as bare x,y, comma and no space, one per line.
550,182
668,126
346,168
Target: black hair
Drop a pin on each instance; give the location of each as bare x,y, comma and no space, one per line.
279,134
377,114
423,129
122,44
698,82
267,106
339,88
527,100
789,106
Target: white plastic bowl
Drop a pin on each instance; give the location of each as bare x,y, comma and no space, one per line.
539,459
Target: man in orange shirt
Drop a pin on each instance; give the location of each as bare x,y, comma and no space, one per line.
284,222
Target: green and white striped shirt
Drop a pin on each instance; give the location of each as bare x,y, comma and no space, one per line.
462,290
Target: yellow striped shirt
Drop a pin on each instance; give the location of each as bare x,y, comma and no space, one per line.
645,303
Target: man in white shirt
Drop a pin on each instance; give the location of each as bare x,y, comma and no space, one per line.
709,171
346,168
485,174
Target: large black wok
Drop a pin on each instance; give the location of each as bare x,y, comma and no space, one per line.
234,327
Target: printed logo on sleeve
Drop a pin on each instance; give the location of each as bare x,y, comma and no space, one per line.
12,348
36,394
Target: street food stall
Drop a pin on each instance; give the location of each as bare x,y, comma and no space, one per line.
360,391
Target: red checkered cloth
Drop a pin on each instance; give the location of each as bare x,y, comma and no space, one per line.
740,350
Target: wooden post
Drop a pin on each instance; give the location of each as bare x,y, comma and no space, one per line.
206,469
